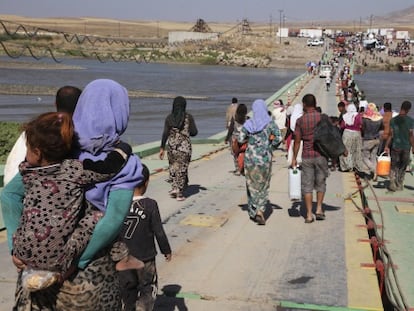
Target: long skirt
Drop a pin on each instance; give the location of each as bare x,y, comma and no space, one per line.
369,151
353,143
178,167
257,185
94,289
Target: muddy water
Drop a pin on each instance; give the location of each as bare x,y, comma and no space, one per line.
152,87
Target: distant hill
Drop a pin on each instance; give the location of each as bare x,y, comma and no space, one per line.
399,20
402,17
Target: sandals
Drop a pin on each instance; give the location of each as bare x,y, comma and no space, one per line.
320,216
180,197
259,218
173,193
176,194
309,221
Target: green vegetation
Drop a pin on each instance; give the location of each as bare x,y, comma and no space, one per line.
10,131
22,37
208,60
408,60
75,53
6,37
43,38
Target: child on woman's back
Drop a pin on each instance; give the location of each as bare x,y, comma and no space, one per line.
56,224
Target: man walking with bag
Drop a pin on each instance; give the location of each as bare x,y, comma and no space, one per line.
314,165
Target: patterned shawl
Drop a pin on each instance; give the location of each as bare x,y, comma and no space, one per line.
371,112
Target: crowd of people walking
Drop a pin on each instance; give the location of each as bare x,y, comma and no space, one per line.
74,173
366,130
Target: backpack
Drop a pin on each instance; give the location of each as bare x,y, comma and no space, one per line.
327,139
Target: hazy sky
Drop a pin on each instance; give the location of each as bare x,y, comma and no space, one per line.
209,10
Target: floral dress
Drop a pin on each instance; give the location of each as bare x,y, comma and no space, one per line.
258,165
179,155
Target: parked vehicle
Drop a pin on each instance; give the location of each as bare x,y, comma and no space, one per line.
325,71
315,42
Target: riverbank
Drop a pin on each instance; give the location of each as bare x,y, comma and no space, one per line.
253,45
254,51
38,90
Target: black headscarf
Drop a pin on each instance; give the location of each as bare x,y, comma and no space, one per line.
177,115
241,113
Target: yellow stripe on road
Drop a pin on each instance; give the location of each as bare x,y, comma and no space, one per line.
363,289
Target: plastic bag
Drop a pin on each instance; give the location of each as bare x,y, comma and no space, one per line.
34,280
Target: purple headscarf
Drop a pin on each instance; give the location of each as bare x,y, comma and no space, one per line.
100,118
260,117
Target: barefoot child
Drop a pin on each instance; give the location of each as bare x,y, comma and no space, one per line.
141,228
56,225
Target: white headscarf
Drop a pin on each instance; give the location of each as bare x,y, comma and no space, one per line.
279,114
296,114
351,113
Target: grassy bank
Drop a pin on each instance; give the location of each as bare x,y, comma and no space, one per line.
10,131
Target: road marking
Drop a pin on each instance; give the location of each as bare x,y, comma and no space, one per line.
204,221
405,208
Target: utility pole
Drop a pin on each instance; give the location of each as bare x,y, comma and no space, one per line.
371,17
280,26
270,25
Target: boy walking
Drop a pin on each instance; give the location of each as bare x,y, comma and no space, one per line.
142,227
328,82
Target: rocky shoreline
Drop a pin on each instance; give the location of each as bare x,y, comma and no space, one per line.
253,45
36,90
257,52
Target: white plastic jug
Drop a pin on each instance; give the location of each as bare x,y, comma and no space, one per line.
295,189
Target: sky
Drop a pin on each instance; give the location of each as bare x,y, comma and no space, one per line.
209,10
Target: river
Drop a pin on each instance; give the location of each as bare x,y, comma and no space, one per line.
387,86
209,90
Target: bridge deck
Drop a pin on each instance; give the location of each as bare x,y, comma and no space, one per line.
223,261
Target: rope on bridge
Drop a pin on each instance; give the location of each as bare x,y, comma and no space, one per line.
385,271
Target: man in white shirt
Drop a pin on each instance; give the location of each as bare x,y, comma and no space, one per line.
231,111
65,101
